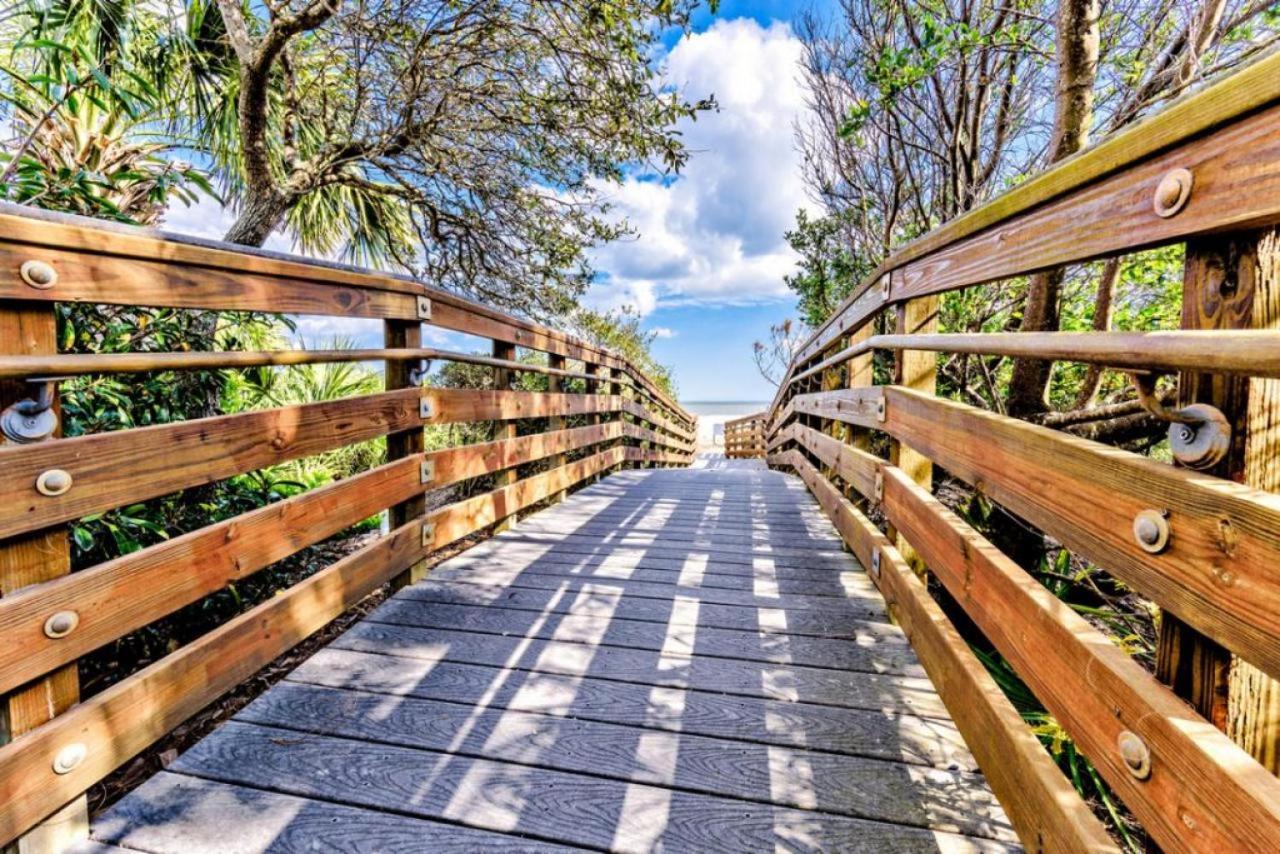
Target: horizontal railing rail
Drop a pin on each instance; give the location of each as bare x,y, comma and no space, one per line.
1199,536
598,414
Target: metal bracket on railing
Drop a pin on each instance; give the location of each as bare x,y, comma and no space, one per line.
32,419
418,375
1199,434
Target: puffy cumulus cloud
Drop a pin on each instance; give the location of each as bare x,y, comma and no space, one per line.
714,234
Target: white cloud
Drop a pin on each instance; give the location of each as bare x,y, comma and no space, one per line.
714,234
663,332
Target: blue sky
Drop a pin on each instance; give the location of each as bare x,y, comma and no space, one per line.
707,264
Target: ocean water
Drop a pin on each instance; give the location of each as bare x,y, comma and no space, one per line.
713,413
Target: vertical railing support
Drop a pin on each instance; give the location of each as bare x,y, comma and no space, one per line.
916,370
555,385
502,378
395,334
1231,282
31,329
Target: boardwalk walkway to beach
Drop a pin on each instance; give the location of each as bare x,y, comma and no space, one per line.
671,659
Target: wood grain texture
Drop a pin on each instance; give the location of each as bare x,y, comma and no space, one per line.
880,734
37,555
131,591
1214,575
110,469
177,813
874,789
1203,792
544,803
831,653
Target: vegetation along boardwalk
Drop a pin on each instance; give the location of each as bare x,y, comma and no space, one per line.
675,659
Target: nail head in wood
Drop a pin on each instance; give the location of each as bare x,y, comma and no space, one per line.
38,274
428,471
1172,193
424,308
53,482
425,409
61,624
879,489
1136,755
875,563
428,534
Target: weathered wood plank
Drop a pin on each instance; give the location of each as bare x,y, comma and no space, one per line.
694,575
575,808
884,735
862,623
125,718
843,785
686,639
856,606
177,814
775,682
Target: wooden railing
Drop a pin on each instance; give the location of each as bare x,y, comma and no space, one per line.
744,437
1202,543
599,414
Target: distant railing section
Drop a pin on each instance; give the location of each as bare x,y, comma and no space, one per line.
599,414
744,437
1199,536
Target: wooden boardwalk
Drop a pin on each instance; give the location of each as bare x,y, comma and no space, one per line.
683,660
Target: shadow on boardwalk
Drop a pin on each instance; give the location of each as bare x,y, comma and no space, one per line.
671,659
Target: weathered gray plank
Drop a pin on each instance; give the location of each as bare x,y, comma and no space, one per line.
770,681
858,732
177,814
850,607
867,621
840,584
525,554
782,555
577,808
844,785
684,639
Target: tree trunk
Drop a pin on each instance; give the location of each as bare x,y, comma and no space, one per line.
260,215
1077,44
1102,312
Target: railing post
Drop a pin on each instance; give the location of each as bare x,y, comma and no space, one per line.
1231,283
918,370
31,329
555,385
504,429
395,334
